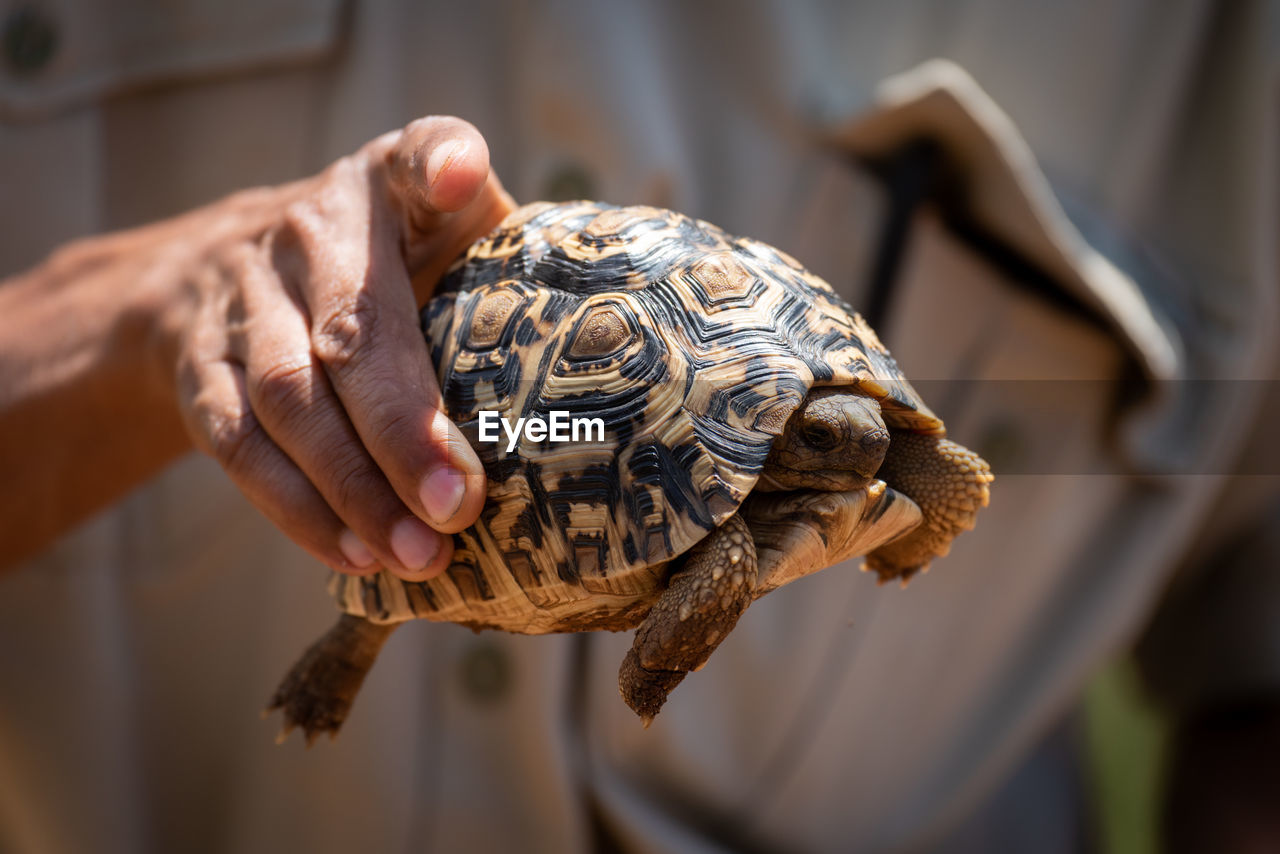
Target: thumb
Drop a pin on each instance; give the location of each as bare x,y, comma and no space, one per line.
438,174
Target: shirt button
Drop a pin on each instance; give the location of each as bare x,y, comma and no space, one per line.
30,39
567,183
485,671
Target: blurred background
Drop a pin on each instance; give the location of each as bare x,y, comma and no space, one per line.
1060,217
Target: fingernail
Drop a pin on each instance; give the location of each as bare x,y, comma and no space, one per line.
354,549
442,491
414,544
440,157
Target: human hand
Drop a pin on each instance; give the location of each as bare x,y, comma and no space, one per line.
300,366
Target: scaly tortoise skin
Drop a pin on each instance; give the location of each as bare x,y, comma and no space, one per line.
720,367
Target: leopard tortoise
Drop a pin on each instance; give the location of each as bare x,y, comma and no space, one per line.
755,431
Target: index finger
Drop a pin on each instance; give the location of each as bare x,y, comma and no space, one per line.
364,331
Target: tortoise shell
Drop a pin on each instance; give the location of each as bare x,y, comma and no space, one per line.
693,347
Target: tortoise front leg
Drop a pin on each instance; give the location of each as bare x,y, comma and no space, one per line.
318,691
700,606
949,482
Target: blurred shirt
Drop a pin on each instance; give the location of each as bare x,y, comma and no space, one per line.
1082,280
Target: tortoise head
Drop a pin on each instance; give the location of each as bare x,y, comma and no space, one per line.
834,441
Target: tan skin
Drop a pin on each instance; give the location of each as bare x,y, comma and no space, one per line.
275,330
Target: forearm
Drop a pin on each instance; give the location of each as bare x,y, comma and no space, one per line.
87,402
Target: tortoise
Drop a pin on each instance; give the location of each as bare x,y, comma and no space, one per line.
754,430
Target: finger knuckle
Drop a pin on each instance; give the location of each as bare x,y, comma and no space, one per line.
341,334
399,427
282,389
233,438
234,268
329,193
302,219
356,487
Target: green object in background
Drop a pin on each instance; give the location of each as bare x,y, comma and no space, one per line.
1127,744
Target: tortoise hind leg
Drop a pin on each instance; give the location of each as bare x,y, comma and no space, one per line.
318,691
699,608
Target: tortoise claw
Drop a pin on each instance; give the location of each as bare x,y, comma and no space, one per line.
283,734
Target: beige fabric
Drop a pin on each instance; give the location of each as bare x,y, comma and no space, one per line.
135,654
1006,192
106,50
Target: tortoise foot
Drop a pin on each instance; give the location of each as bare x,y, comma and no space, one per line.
699,608
318,691
949,482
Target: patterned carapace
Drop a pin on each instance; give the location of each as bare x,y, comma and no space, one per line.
693,346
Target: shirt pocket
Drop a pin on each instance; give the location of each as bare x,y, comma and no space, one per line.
1022,335
59,54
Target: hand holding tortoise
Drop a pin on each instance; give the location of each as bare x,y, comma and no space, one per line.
275,330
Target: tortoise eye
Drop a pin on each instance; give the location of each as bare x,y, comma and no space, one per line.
819,437
602,332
